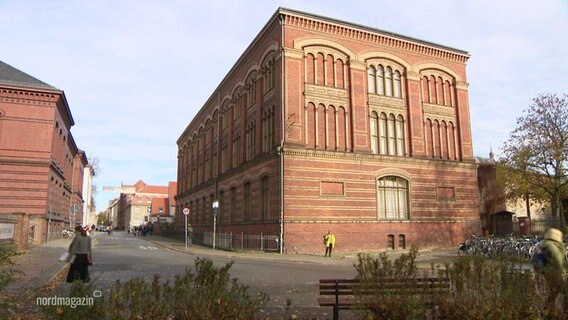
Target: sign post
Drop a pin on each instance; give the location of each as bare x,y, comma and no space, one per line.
185,213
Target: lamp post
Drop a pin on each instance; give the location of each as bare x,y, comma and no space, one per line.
185,214
215,206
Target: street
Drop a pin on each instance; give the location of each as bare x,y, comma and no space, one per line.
122,257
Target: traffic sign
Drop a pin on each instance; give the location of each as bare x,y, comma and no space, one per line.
186,211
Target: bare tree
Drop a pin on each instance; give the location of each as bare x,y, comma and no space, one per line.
95,165
538,147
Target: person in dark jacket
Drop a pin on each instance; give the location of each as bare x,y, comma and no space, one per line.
80,252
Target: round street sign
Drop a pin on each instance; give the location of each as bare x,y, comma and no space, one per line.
186,211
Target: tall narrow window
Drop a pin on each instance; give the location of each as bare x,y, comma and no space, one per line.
269,75
388,82
265,197
392,198
383,133
268,129
380,80
397,86
221,210
236,149
250,140
247,201
391,135
400,146
372,80
374,132
233,210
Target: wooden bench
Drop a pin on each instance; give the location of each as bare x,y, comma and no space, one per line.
342,294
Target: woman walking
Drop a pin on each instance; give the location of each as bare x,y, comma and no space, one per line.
80,253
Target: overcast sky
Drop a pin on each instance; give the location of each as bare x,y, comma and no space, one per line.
136,72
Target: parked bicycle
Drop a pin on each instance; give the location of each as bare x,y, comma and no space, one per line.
525,247
67,234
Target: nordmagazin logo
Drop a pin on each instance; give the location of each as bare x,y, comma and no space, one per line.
71,302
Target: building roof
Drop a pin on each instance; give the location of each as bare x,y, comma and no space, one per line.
17,78
287,11
160,203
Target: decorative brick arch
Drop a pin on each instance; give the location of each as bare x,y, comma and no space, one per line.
383,55
426,66
392,172
270,50
309,42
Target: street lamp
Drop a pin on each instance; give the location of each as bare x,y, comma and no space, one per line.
215,206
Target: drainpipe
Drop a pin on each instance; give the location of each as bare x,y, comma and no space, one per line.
283,136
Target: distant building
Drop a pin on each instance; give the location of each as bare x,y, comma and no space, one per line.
325,125
41,167
144,203
89,209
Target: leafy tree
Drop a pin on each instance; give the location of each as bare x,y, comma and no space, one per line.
538,147
516,186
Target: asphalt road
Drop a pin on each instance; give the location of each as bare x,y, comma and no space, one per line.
122,257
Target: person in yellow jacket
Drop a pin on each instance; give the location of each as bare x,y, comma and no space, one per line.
329,241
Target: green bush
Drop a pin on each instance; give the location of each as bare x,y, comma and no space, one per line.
374,272
480,289
7,254
207,293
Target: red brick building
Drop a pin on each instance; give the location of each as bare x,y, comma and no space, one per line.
325,125
141,203
41,167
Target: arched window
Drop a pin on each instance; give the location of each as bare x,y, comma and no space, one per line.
339,73
425,90
320,69
380,80
392,198
330,71
388,82
310,68
371,78
397,86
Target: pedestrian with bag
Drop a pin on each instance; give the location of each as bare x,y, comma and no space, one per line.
554,265
329,242
80,252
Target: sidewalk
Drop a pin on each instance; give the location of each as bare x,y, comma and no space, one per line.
39,265
424,260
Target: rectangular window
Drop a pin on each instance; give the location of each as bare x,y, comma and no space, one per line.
392,198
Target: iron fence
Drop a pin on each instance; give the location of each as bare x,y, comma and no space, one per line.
238,241
539,226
